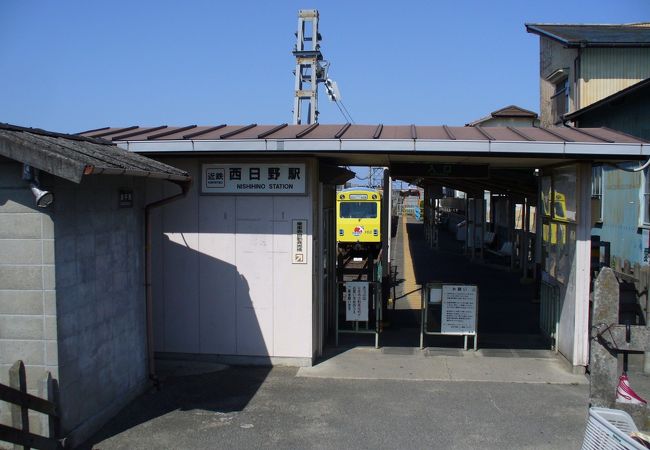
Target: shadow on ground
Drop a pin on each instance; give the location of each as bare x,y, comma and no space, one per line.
224,391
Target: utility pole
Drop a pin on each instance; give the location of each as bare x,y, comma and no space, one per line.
310,68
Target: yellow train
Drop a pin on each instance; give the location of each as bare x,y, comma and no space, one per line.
358,218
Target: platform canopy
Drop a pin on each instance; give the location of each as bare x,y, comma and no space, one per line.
509,152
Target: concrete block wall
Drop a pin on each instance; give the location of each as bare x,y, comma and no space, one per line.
27,297
100,300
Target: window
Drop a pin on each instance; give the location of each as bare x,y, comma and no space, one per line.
597,194
560,99
358,210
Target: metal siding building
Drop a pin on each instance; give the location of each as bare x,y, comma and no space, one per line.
605,71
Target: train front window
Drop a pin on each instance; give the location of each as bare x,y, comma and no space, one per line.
358,210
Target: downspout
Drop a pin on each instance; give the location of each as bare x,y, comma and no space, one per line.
185,187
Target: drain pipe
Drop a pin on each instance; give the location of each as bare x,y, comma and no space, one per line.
185,187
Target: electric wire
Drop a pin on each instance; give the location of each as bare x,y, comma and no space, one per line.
346,110
339,107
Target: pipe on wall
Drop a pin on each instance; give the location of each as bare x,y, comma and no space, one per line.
185,187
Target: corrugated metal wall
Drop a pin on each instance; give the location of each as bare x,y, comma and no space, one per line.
608,70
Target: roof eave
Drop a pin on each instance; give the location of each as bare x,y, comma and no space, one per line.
41,159
543,33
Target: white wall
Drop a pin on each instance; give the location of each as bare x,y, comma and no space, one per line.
224,282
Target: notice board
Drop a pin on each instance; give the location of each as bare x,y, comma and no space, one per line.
356,300
459,304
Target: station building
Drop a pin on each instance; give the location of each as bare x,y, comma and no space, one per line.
244,264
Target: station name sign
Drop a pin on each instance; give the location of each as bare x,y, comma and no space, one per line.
270,179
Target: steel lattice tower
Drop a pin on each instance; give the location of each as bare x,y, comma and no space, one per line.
310,68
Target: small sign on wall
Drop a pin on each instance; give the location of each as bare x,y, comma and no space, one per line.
356,301
125,199
299,242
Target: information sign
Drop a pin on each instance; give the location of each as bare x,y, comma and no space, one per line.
356,300
458,309
247,178
299,243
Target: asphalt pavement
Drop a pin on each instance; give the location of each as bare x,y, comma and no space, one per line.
255,407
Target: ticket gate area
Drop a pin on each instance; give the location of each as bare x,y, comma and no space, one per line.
359,304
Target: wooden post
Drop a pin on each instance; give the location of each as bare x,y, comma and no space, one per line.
19,414
642,273
54,422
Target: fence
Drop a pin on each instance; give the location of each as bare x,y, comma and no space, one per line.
549,314
21,403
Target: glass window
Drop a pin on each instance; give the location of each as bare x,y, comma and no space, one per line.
560,99
597,193
546,196
565,204
358,210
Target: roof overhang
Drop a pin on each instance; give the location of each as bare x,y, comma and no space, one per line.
73,157
361,151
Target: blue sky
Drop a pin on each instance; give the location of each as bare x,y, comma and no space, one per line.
74,65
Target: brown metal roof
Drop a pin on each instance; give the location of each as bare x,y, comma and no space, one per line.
589,35
513,111
73,156
346,131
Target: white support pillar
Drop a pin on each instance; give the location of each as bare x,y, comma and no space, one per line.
583,266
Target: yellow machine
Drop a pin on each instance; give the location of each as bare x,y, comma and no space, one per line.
358,218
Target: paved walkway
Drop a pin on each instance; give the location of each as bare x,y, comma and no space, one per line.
251,408
507,306
409,364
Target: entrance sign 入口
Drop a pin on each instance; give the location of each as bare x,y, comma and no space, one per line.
458,309
299,242
356,300
254,178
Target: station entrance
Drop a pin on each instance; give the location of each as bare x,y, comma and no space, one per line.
467,227
246,264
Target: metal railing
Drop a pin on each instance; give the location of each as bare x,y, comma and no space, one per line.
549,314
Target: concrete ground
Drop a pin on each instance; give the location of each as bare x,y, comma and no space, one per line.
445,364
250,407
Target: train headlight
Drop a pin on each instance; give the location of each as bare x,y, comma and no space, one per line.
375,232
341,232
